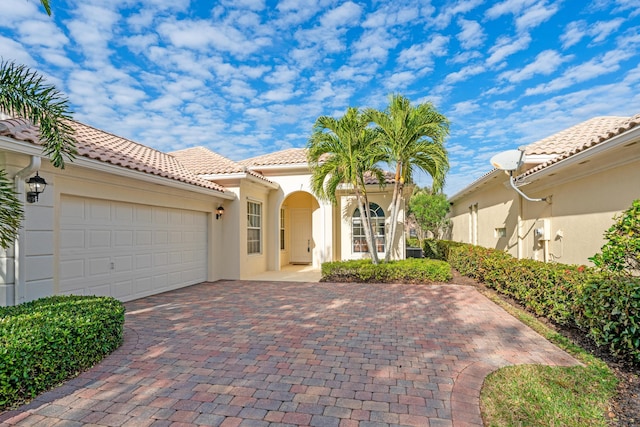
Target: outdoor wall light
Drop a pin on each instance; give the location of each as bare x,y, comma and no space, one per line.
219,212
36,184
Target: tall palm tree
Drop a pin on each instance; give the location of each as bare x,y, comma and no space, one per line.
23,93
343,151
414,138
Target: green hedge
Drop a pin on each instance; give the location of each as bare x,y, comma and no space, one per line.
603,304
47,341
412,270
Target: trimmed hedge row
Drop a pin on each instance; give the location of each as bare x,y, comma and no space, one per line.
603,304
412,270
47,341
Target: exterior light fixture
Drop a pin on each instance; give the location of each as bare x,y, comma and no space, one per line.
219,212
36,184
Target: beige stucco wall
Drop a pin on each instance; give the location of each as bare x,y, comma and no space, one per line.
40,232
582,209
585,196
497,207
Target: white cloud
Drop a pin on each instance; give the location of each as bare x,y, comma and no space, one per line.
11,50
458,7
574,32
373,45
506,46
471,35
604,64
512,7
345,15
199,35
421,55
546,62
536,15
602,29
464,73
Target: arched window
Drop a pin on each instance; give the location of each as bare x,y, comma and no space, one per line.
359,242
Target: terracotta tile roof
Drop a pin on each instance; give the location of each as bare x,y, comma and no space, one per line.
202,161
389,178
599,135
290,156
573,137
298,156
105,147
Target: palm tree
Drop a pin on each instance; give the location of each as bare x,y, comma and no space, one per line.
23,93
343,151
414,138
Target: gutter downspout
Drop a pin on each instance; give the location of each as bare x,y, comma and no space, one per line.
18,254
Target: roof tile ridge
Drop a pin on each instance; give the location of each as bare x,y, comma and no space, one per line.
113,135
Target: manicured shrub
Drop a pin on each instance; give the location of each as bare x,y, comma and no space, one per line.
47,341
621,253
606,305
438,249
412,270
611,313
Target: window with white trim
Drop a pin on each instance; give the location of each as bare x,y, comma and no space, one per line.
254,228
359,242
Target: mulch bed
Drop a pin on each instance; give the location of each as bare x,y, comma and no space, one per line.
625,408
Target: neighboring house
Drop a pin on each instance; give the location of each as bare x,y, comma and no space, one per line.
129,221
589,173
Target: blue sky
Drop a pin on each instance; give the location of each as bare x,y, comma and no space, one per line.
248,77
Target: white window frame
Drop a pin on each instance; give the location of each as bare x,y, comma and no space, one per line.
254,227
358,239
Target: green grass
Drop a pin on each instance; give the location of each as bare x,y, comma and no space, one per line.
537,395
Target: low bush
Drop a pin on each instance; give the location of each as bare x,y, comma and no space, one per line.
412,270
47,341
438,249
604,304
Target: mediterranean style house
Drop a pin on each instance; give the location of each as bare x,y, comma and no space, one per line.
128,221
587,174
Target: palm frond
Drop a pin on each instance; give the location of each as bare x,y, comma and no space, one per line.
24,93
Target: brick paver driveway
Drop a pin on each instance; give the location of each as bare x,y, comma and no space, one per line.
237,353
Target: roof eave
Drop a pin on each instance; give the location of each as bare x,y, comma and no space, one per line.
480,181
221,177
578,157
22,147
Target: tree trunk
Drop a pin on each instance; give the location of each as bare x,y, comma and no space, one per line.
366,225
394,215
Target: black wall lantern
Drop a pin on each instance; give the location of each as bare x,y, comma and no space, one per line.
219,212
36,184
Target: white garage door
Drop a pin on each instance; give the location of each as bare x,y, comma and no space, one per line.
127,250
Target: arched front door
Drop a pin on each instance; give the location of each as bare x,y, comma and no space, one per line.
297,228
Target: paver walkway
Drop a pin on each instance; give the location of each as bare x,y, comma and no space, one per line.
240,353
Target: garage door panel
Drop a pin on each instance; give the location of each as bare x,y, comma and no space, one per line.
161,237
127,250
123,289
99,212
72,239
99,266
123,263
72,269
143,261
123,238
160,216
99,239
124,213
